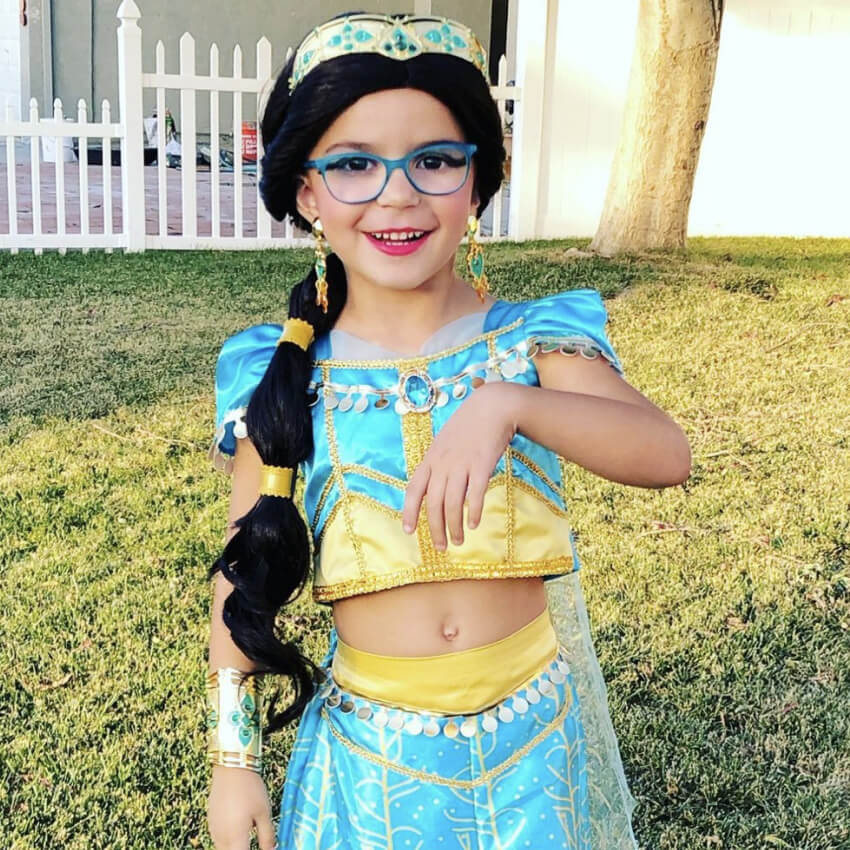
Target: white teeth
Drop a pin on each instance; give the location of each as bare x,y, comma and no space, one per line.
398,237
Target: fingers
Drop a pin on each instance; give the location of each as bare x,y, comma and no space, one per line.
455,495
434,502
265,833
416,488
444,501
475,491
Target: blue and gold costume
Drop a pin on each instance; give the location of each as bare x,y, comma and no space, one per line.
506,746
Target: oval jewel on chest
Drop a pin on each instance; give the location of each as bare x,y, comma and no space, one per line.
417,389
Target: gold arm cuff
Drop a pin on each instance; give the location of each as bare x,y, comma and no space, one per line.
276,481
234,734
297,331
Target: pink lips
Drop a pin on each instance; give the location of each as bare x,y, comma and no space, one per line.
397,248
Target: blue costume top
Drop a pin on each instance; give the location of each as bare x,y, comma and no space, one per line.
354,487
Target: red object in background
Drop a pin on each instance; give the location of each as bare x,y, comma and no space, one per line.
249,141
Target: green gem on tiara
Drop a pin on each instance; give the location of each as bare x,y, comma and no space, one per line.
400,40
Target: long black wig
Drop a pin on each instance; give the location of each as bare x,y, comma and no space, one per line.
267,560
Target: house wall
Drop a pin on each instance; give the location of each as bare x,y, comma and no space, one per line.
774,158
10,56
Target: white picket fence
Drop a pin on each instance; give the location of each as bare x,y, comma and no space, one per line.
106,230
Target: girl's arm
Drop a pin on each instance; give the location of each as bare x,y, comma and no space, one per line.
246,484
588,414
583,410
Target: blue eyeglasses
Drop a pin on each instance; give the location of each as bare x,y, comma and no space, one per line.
436,169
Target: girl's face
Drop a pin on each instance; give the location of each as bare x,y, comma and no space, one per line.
391,123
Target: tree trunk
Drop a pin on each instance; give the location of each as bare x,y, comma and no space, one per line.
652,175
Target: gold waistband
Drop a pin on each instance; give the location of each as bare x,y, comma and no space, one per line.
454,682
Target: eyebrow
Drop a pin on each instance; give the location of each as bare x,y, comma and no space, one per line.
365,146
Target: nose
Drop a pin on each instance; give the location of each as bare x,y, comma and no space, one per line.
399,191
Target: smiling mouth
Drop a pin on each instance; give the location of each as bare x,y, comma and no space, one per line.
398,238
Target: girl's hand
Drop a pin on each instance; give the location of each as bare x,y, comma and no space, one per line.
238,802
459,462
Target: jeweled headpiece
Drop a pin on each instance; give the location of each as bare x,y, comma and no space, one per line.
398,38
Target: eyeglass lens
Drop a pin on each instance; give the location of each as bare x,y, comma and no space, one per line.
436,170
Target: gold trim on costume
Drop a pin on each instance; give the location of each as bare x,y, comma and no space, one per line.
336,471
412,575
526,461
417,436
366,472
326,489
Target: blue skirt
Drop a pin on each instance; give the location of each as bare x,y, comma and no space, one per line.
367,776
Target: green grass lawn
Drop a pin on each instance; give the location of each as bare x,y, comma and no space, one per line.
720,608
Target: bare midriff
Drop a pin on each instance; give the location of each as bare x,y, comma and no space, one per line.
432,618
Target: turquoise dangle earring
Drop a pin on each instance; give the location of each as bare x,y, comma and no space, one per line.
475,259
320,265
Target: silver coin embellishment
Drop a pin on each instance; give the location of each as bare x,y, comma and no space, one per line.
520,705
414,726
381,718
468,727
364,712
489,723
432,728
509,368
361,404
346,404
442,398
459,390
451,729
505,714
396,722
532,695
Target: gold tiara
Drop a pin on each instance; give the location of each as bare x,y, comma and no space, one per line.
398,38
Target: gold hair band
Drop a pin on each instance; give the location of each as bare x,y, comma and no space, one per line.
276,481
297,331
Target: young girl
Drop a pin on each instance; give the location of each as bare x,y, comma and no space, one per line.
460,704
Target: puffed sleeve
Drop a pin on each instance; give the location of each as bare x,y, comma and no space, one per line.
242,362
572,322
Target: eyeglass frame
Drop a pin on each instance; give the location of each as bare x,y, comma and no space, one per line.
321,164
